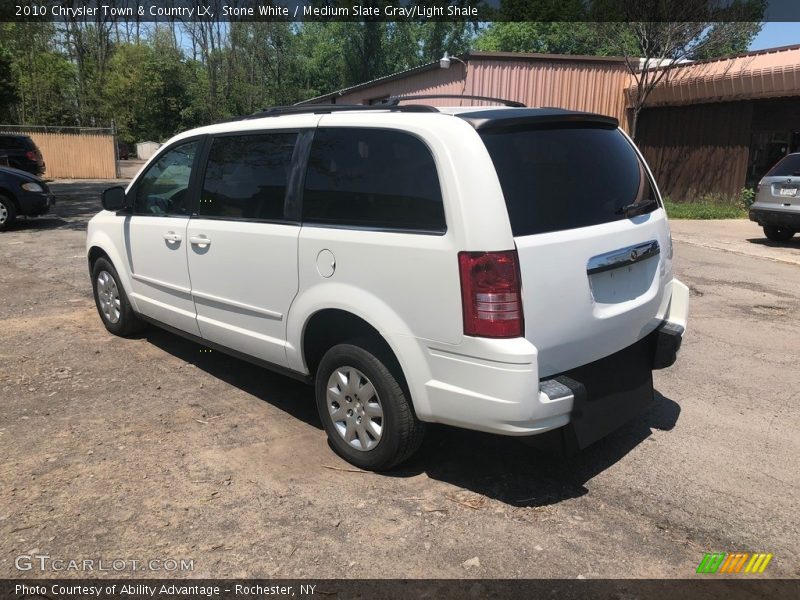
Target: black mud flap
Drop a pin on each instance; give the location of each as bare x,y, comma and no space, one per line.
608,393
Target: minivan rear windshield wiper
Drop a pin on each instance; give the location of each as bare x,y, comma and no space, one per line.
638,208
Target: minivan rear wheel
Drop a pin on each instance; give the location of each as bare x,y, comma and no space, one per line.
365,411
8,212
778,234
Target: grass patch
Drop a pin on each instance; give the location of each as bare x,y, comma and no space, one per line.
712,206
704,210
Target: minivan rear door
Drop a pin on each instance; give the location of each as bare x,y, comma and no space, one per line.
592,238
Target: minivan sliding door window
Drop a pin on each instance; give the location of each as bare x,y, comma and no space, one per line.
246,177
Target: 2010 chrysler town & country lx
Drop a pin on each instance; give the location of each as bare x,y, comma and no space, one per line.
507,270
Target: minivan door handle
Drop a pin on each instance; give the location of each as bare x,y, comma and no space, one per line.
200,240
171,236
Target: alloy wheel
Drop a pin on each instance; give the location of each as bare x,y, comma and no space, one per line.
355,408
108,296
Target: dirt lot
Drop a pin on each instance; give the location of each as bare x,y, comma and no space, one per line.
149,448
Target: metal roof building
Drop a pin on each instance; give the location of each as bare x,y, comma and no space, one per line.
712,127
717,126
590,83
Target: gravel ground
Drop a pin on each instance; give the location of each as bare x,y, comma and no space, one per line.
149,448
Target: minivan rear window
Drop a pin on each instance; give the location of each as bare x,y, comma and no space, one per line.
563,177
786,167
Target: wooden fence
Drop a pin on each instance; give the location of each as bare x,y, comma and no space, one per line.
74,155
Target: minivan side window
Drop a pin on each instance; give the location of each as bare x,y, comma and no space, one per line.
373,178
163,190
246,177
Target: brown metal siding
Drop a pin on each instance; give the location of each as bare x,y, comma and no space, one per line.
594,86
433,81
777,115
589,86
694,150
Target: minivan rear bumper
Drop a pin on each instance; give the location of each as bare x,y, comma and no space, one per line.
496,395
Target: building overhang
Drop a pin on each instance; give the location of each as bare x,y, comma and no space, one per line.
772,73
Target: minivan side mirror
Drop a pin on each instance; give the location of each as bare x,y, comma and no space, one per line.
114,199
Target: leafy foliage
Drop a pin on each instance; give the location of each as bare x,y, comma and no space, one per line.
547,38
703,210
8,86
154,79
712,206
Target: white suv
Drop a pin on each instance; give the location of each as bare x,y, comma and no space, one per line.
501,269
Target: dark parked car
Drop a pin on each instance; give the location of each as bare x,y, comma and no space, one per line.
19,151
22,194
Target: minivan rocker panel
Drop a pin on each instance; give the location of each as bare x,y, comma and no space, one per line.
408,265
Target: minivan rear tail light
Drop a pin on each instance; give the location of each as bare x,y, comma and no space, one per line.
491,295
31,155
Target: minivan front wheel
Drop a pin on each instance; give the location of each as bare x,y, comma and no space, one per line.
778,234
366,413
112,303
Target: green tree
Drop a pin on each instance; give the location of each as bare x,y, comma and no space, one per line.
89,48
727,38
337,55
128,89
150,91
434,38
263,66
8,85
546,38
44,79
321,46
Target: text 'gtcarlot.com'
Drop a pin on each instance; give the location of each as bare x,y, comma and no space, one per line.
43,562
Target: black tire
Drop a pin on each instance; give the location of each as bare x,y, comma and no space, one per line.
127,323
401,432
778,234
8,213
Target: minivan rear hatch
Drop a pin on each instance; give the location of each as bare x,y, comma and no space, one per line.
591,236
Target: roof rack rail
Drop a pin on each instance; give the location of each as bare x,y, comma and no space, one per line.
295,109
393,100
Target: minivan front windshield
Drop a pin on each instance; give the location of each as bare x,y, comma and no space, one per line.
563,177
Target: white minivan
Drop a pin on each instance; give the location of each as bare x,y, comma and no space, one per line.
502,269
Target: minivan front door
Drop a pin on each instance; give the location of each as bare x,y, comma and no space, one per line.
242,246
155,239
